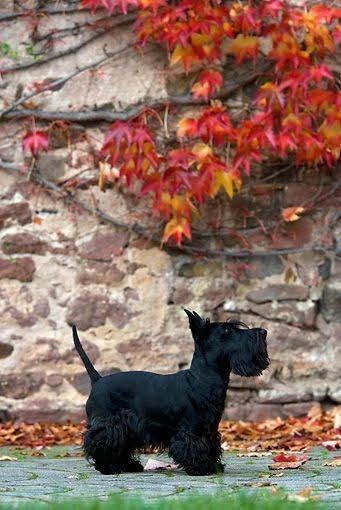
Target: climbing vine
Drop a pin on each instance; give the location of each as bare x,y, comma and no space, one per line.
294,114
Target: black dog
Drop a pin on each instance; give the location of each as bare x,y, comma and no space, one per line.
180,412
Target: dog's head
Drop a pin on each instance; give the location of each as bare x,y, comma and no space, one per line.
231,345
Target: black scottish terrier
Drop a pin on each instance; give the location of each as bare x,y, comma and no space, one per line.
179,412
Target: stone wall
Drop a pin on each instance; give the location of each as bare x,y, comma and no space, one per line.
59,264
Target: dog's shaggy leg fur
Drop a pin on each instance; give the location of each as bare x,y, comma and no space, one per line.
198,455
108,442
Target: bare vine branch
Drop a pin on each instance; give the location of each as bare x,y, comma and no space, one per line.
122,20
60,82
144,231
107,116
48,12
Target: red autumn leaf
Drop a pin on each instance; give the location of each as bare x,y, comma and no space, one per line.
109,5
283,461
214,125
209,82
187,128
283,457
152,4
35,141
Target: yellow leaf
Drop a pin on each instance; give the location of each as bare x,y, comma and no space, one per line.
184,55
177,227
201,150
244,46
223,180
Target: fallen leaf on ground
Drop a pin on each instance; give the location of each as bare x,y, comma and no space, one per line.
6,457
332,445
302,496
254,454
290,434
259,484
336,414
283,457
153,464
270,475
291,461
333,463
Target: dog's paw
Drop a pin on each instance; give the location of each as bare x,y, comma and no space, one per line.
219,468
133,466
108,469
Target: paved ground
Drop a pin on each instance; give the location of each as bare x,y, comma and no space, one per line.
40,479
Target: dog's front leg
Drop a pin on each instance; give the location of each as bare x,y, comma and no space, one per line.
198,455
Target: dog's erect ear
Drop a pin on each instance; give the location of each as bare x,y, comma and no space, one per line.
250,358
197,325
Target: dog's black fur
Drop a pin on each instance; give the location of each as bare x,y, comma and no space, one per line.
180,412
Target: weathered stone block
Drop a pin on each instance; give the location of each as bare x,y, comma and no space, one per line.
51,166
54,380
23,243
198,269
5,350
81,382
94,272
91,310
17,212
292,312
278,292
181,294
284,395
261,267
21,269
330,304
297,193
104,245
88,310
42,308
19,386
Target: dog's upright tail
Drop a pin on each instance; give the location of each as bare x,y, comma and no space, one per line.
93,374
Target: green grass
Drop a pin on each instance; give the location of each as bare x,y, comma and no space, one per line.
238,501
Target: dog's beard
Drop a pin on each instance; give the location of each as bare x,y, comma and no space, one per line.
251,358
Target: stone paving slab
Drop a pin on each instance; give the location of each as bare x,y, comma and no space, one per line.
42,479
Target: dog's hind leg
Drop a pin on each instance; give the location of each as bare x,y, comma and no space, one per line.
109,442
198,455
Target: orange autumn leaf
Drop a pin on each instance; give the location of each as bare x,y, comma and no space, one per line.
183,55
292,213
187,128
244,46
177,228
336,462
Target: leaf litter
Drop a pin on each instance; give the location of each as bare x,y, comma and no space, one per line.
247,438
